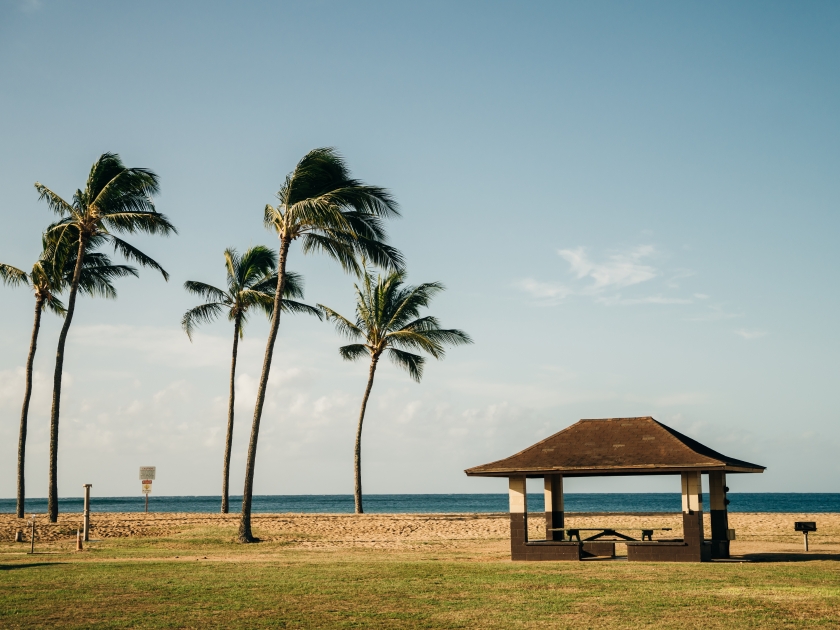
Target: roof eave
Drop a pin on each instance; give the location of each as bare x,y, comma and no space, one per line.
618,470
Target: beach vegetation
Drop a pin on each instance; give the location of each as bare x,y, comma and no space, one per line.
251,284
388,322
115,199
327,211
50,275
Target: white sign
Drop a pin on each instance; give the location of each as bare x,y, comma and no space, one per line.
147,486
147,472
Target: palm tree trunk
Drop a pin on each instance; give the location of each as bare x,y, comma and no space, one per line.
229,437
357,460
245,535
52,502
24,414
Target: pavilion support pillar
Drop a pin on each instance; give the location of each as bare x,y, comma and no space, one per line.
719,515
692,508
554,517
518,498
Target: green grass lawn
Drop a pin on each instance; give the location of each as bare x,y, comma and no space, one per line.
125,583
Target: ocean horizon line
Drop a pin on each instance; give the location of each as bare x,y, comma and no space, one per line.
439,503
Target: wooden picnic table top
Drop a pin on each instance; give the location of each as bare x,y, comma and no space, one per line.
574,532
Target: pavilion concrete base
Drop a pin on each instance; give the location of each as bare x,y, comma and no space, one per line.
522,549
692,548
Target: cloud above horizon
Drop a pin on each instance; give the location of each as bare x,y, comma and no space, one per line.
597,279
749,335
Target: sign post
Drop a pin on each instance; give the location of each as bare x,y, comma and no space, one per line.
147,475
805,527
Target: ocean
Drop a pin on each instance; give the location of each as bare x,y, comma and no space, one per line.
441,503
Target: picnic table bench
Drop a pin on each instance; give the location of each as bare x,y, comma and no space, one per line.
574,532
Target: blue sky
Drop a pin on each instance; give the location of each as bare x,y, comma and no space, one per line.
634,207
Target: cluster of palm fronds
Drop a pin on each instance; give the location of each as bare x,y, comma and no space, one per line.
319,204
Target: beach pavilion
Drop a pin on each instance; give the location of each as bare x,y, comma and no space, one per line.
613,447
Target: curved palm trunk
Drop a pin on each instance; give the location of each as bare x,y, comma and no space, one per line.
24,414
245,535
357,461
52,502
229,437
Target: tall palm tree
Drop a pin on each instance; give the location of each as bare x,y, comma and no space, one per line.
251,283
328,211
115,199
47,280
388,319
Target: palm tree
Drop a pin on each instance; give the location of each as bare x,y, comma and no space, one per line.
387,319
251,283
47,280
331,212
115,199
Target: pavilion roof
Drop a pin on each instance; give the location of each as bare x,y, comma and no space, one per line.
614,446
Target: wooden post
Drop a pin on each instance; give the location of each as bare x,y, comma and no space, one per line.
719,515
87,487
147,503
32,537
554,516
806,539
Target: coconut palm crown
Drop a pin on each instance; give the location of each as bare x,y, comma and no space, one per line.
115,199
328,211
388,322
251,283
47,279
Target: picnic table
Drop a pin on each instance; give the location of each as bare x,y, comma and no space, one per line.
574,532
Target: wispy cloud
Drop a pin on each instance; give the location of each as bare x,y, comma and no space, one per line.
614,300
713,313
546,291
599,278
619,270
749,335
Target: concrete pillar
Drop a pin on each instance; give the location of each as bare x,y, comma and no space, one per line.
692,509
87,511
719,514
518,512
553,506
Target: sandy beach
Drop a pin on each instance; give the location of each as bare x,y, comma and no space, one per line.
756,533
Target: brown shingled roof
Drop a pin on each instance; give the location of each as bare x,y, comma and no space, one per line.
614,446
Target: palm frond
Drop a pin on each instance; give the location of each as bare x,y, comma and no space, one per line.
206,291
256,264
123,195
55,305
409,301
344,326
353,351
343,253
97,274
232,259
54,201
13,276
290,306
411,363
132,253
415,341
201,314
132,221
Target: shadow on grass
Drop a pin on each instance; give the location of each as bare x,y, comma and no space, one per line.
28,565
790,557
